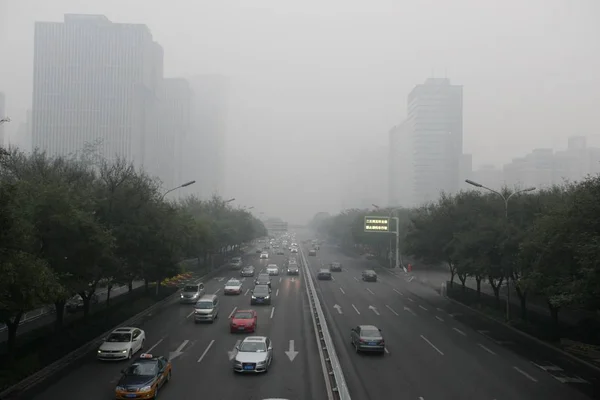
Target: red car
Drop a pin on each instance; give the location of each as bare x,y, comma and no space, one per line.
243,321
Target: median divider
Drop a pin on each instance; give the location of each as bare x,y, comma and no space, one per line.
28,386
335,380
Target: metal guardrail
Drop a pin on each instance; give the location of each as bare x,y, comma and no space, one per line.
336,375
19,390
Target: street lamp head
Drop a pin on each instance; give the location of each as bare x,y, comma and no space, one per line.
188,184
250,208
230,200
470,182
531,189
375,205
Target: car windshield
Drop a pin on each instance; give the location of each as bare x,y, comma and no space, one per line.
233,283
261,292
253,347
119,337
143,369
243,315
190,289
204,305
370,333
236,259
324,271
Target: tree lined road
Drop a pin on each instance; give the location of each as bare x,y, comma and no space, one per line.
429,354
203,368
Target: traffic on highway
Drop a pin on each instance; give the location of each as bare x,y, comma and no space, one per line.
250,333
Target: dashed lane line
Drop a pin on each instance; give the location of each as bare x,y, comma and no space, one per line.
232,312
155,344
370,291
410,299
400,293
392,310
277,292
272,312
342,290
422,308
486,349
525,374
459,331
206,350
355,309
432,345
439,318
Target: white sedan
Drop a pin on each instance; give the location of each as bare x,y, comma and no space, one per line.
272,269
233,286
122,344
264,255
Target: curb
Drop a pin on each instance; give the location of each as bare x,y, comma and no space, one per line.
528,336
28,384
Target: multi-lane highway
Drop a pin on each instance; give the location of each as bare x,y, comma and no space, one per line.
429,354
201,352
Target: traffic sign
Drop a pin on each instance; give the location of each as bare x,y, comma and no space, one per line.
377,224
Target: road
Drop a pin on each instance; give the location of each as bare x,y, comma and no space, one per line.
430,354
203,370
40,320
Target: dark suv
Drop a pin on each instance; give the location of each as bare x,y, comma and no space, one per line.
335,267
263,279
369,276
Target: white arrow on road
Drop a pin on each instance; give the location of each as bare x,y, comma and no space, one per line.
374,310
174,354
293,279
410,311
291,353
338,308
234,350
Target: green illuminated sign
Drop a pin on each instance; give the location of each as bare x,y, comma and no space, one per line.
377,224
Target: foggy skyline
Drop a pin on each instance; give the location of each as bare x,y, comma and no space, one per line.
311,83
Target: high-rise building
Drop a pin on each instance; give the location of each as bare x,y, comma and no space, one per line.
400,167
167,157
95,83
204,150
435,125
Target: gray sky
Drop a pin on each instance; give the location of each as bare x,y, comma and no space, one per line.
313,82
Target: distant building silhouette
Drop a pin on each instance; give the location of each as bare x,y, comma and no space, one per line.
96,81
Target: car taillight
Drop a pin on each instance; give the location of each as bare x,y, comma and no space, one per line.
363,341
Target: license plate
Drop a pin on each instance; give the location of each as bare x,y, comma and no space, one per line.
259,300
372,343
241,328
248,367
131,395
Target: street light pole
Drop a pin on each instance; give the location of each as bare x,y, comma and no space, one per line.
178,187
505,199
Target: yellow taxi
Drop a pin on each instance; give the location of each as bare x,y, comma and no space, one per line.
144,378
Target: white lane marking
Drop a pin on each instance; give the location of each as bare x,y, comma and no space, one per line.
155,344
486,349
423,398
338,308
355,309
400,293
374,310
280,280
432,345
231,353
332,278
525,374
422,308
439,319
277,292
247,290
217,291
342,290
410,299
370,291
272,311
439,309
411,279
190,314
410,311
459,331
356,279
206,350
232,312
386,350
392,310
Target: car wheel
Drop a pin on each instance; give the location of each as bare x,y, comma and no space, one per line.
168,376
156,393
130,354
142,345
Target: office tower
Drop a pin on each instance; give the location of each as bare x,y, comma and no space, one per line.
167,159
435,125
95,84
204,150
400,167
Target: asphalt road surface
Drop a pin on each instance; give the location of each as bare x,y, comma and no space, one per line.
430,354
48,319
203,369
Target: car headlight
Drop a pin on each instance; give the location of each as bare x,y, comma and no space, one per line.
261,363
99,351
124,351
267,297
253,297
146,388
182,295
120,389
